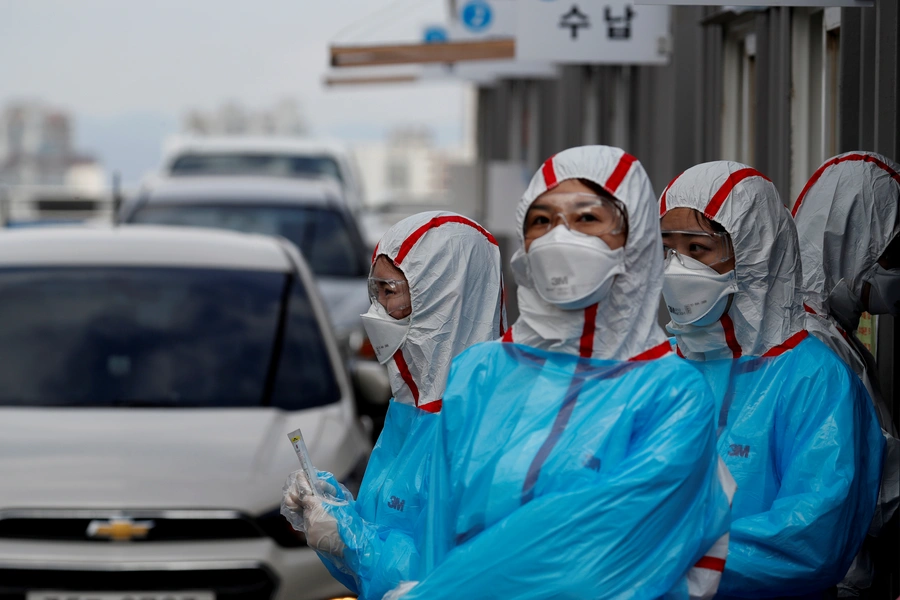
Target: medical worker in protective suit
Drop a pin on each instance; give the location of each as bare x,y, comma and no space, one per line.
436,289
847,222
576,458
795,425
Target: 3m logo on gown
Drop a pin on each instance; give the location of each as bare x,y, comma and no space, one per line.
593,463
739,450
396,503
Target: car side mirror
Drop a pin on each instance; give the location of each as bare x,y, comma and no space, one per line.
371,384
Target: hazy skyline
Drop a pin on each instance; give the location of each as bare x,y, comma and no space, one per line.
129,71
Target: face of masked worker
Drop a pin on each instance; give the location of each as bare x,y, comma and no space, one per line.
387,321
699,274
574,244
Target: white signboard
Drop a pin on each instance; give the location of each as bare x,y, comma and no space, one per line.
592,32
759,2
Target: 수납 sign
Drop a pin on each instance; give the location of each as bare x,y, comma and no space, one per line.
592,32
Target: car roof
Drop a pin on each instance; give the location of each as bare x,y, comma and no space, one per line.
178,146
313,191
141,246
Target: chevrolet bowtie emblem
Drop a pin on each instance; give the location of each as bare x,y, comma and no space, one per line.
119,529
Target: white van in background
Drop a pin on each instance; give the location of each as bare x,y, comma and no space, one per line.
195,156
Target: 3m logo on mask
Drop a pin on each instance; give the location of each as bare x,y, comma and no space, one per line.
555,281
686,310
396,503
739,450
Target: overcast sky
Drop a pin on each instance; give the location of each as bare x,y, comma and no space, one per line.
129,69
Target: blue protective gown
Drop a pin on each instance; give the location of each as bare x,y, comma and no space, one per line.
560,477
800,437
382,526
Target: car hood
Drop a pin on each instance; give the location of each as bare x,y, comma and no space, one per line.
163,458
345,299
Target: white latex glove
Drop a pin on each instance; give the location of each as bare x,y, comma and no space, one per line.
307,513
400,591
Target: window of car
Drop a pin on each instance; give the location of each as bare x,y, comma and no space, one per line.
269,165
326,237
171,337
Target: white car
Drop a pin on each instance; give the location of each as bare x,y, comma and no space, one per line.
149,377
189,156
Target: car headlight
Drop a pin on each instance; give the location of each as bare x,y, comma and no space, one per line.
279,529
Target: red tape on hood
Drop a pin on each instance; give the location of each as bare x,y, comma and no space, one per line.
735,178
434,223
549,173
662,200
837,160
619,173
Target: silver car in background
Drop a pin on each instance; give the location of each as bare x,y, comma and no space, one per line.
148,379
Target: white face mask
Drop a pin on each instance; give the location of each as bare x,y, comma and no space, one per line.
885,292
386,334
568,269
696,294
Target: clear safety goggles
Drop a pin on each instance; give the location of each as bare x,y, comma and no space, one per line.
584,213
392,294
708,248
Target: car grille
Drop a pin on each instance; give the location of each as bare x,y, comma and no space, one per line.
168,526
244,583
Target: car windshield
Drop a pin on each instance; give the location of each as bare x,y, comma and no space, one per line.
173,337
270,165
325,236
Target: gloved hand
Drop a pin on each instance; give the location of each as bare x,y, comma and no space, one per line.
307,513
400,591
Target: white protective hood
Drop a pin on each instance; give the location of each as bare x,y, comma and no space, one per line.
623,325
846,216
767,310
452,265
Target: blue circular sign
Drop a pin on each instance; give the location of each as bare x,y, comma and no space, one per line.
477,15
436,35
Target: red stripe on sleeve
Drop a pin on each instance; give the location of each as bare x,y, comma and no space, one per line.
433,407
416,235
788,344
586,347
712,563
654,352
662,200
507,337
730,338
679,352
837,160
619,173
719,198
549,173
808,309
406,375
